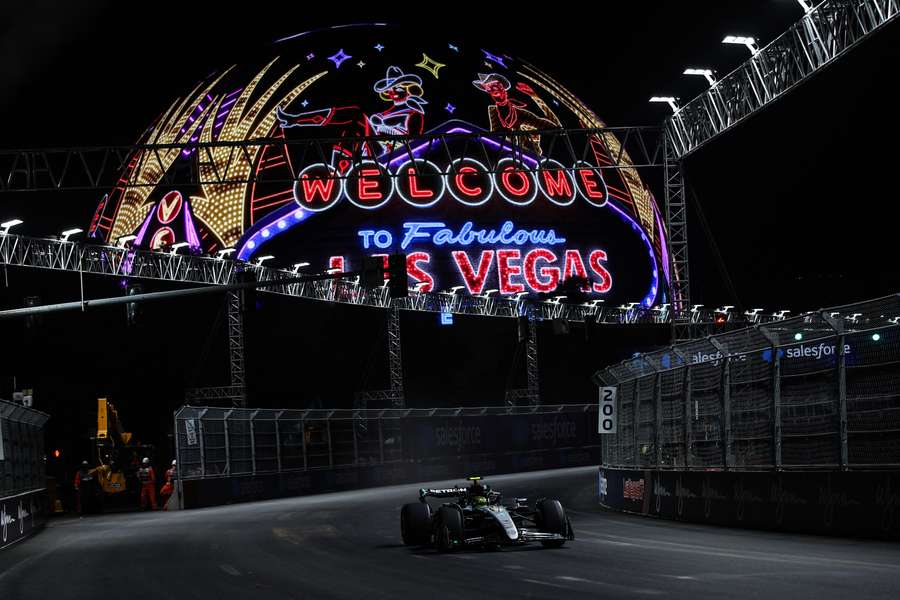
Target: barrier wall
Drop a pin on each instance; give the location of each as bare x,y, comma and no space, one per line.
851,503
21,515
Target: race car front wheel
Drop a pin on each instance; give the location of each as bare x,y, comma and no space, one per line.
552,518
415,524
449,534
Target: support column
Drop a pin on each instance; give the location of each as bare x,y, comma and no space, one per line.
676,224
395,359
236,348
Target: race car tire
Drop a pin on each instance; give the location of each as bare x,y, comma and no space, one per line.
449,533
552,517
415,524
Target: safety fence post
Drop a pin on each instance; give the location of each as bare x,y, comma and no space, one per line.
227,442
659,420
841,383
253,441
303,439
202,444
776,395
278,440
328,435
726,402
380,441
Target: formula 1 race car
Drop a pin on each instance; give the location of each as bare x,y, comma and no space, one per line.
477,518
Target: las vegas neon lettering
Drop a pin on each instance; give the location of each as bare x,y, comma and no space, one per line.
422,183
439,234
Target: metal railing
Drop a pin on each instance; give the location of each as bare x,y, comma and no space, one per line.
22,465
222,442
820,390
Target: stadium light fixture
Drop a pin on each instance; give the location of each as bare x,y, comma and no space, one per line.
262,259
125,239
704,72
300,265
455,289
221,254
6,226
175,247
668,100
487,293
64,236
742,40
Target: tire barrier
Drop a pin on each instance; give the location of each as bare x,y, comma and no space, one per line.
859,504
21,516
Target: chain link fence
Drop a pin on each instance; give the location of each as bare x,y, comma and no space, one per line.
223,442
22,465
820,390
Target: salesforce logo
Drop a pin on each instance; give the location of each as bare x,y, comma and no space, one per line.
813,351
458,436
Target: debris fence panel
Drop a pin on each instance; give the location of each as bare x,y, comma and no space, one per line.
222,442
22,456
816,391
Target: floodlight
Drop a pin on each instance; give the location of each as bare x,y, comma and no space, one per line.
175,247
262,259
65,234
668,100
125,239
224,252
704,72
742,40
9,225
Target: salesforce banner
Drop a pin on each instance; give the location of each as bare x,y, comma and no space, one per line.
429,437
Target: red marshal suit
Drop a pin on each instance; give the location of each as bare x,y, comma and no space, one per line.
147,477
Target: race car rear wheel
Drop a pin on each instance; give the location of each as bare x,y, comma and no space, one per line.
449,533
415,524
552,520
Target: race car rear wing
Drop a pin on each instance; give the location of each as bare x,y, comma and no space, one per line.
454,492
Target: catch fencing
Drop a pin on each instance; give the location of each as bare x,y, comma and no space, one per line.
821,390
214,442
22,465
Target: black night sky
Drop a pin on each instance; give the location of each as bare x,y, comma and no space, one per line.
798,200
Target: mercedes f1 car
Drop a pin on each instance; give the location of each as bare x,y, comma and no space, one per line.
476,517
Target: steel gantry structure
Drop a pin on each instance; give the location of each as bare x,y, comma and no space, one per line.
822,35
825,33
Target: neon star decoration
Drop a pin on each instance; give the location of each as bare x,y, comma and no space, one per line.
452,47
494,58
305,103
339,57
432,66
449,108
378,47
360,64
310,56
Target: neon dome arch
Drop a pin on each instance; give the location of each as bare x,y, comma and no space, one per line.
362,88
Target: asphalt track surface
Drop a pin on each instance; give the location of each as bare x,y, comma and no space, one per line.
347,545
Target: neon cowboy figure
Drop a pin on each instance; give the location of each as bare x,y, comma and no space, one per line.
509,114
404,117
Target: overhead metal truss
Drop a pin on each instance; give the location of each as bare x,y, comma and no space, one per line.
76,257
104,167
821,36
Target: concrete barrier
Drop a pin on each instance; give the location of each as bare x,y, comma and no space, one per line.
21,515
852,503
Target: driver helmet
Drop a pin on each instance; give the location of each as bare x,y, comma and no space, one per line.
146,461
479,501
